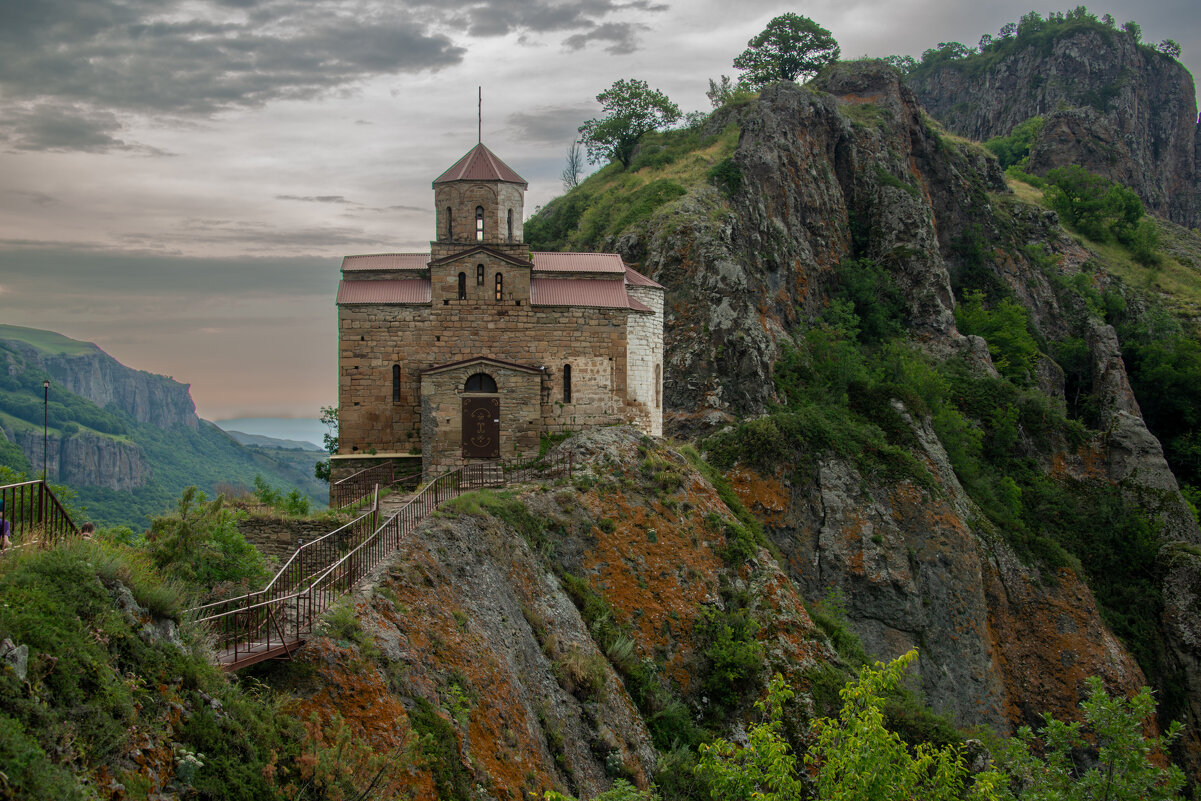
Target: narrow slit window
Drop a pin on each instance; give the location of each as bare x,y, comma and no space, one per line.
500,287
567,383
462,286
396,383
479,223
479,275
658,385
450,225
510,225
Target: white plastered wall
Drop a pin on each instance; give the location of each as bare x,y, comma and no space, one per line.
644,358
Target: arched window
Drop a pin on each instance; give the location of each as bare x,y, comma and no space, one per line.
450,227
500,287
480,382
396,383
510,225
479,223
479,275
462,286
567,383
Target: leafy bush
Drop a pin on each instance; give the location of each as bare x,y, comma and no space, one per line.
1006,328
201,544
733,656
1014,150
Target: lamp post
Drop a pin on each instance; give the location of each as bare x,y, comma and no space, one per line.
45,422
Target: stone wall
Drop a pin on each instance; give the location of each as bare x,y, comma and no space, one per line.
278,537
645,360
463,197
519,394
373,338
342,466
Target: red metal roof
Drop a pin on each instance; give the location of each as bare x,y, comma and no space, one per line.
481,164
639,306
635,278
386,261
579,292
578,262
405,290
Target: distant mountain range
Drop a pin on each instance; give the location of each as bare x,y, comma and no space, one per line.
127,441
308,433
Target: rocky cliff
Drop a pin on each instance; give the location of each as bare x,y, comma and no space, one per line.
93,374
989,563
87,459
1111,105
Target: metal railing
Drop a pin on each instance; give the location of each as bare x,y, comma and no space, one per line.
274,620
359,485
32,515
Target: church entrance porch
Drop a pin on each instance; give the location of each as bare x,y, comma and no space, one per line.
478,410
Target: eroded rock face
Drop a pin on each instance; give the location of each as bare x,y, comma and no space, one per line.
848,171
1111,106
146,397
88,460
473,622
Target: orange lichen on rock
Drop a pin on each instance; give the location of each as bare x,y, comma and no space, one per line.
655,569
1048,638
766,497
356,692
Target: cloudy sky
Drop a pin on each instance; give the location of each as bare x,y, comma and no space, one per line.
180,178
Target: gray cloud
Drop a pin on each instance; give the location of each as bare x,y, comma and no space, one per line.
502,17
548,125
622,37
314,198
69,67
62,126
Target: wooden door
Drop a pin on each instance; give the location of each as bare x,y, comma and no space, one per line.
481,428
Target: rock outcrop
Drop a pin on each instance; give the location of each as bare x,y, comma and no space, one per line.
89,460
146,397
1111,105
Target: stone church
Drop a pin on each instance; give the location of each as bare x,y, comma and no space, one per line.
475,350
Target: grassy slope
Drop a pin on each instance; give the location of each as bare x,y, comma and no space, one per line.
1175,282
46,341
668,165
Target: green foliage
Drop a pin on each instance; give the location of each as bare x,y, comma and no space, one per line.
734,657
96,682
1006,328
293,503
329,418
790,46
726,175
201,544
1045,768
1014,150
631,109
856,756
888,179
1102,210
853,757
877,301
439,745
727,93
765,768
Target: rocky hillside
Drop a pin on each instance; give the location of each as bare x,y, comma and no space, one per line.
1110,104
126,440
946,431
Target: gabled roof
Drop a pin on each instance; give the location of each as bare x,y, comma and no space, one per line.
481,164
514,260
480,360
578,262
406,290
635,278
386,261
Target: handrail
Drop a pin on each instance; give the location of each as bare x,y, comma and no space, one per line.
356,486
249,626
32,508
